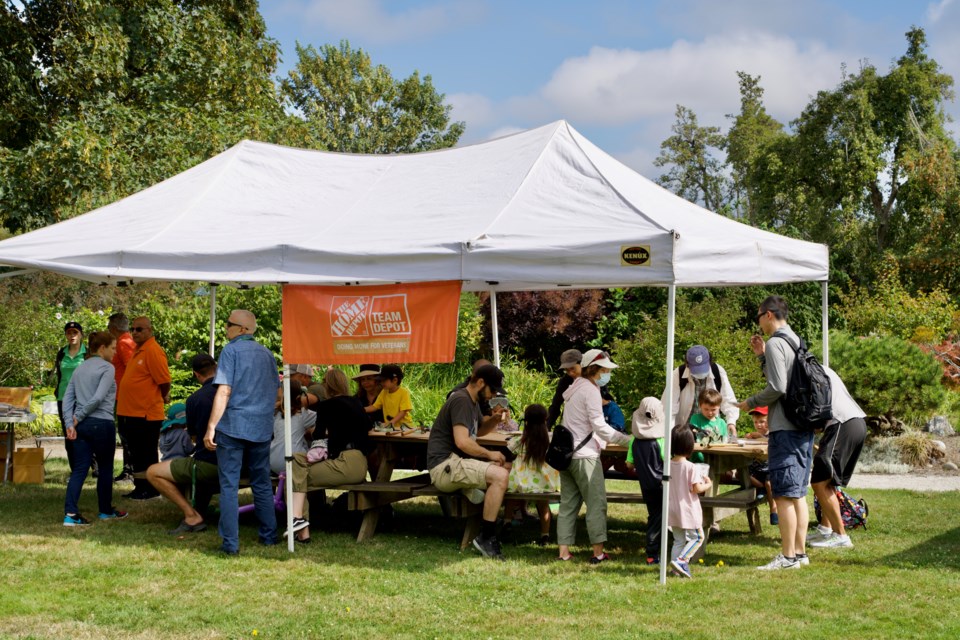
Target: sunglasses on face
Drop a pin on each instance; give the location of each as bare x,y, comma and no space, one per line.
233,324
139,329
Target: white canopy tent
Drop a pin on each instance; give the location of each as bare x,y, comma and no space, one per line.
541,209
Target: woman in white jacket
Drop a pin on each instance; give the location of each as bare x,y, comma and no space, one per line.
583,480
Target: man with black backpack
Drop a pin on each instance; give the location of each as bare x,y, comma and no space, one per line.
790,451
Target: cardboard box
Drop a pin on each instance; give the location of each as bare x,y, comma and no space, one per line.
28,466
28,474
28,456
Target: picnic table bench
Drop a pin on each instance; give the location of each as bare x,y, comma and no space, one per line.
369,497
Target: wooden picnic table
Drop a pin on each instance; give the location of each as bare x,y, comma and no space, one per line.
408,450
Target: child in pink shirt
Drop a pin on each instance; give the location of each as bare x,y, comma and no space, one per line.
686,516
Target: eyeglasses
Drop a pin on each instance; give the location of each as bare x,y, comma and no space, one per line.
761,314
139,329
499,401
233,324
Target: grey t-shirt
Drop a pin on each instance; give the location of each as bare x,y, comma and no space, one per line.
458,409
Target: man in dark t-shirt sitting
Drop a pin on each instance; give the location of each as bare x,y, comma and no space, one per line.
457,463
199,470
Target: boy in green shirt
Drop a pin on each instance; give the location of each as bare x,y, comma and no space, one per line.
708,419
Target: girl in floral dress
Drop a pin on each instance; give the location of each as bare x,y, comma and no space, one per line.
530,473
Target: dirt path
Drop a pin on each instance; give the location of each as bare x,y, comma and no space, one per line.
911,481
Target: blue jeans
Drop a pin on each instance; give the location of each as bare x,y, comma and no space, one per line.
95,436
232,453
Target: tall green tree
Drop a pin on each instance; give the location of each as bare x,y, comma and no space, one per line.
695,172
351,104
125,93
751,134
846,176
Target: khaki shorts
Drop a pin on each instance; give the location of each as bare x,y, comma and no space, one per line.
456,473
181,469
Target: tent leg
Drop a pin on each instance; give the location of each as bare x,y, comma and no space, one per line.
288,456
668,402
213,317
824,294
495,334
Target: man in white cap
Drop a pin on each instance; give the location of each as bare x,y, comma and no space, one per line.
310,392
570,365
699,372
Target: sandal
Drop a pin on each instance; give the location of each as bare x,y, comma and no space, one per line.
567,559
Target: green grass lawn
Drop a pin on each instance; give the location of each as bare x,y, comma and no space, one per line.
129,579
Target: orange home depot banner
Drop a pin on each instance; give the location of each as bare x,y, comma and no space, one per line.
378,323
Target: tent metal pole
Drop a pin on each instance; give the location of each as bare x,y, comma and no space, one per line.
213,316
288,455
493,328
668,429
824,294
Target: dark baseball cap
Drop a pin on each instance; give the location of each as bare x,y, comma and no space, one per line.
492,376
72,325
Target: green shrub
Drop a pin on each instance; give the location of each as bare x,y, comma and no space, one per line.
890,310
430,383
881,455
916,449
712,322
888,375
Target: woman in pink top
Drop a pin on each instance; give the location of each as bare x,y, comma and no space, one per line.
583,481
686,516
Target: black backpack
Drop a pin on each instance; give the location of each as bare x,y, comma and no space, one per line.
560,452
808,402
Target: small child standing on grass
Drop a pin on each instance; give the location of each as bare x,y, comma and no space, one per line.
394,399
530,472
686,516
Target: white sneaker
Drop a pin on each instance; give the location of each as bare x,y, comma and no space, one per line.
780,563
803,559
820,533
834,541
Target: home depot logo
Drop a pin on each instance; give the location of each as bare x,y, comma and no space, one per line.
364,316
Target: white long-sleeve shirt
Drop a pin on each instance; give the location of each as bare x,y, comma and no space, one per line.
685,402
583,414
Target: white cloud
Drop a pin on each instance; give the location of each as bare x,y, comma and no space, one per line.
614,87
374,21
936,10
472,108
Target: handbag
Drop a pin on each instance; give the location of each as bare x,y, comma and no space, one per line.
561,449
318,451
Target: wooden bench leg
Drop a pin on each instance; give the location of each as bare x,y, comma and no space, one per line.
369,525
753,517
470,531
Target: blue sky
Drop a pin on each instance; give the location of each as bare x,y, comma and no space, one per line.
616,69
